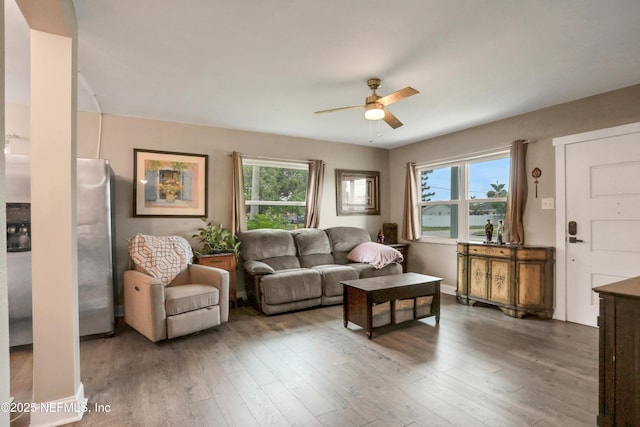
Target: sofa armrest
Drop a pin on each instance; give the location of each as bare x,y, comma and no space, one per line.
257,267
144,306
254,270
217,278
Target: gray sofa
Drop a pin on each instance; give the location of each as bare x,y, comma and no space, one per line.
293,270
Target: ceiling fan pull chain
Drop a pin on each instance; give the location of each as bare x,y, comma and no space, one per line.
370,131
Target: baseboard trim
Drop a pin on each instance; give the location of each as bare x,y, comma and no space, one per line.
61,411
447,289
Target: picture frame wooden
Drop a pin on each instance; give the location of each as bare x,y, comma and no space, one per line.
357,192
169,184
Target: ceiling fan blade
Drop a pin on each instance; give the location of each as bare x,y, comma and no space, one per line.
391,120
353,107
398,95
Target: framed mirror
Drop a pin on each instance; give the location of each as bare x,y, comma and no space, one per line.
357,192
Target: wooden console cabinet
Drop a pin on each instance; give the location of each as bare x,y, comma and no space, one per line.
517,279
226,262
619,367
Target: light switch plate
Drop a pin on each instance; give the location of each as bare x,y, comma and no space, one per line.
547,203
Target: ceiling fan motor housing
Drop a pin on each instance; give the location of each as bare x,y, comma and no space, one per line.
373,83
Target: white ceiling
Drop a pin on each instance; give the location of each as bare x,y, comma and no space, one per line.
266,66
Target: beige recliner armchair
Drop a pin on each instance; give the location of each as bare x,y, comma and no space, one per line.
166,296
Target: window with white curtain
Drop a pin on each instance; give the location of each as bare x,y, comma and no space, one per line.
458,197
275,193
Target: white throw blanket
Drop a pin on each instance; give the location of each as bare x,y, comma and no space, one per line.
162,257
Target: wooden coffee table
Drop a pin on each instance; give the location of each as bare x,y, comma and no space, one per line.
360,296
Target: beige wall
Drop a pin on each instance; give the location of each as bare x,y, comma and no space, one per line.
120,135
596,112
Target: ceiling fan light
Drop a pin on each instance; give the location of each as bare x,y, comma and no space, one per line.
374,112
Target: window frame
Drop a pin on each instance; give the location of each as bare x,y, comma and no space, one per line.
275,163
464,201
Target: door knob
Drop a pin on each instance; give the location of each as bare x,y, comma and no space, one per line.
574,240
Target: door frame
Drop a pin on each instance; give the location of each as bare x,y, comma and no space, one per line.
561,143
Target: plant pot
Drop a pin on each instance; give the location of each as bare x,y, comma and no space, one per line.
170,198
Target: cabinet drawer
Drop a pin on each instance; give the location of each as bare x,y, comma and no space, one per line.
493,251
532,254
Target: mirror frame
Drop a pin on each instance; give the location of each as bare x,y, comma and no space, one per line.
346,179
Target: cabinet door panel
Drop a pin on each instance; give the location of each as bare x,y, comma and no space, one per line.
500,284
462,275
627,363
478,270
530,281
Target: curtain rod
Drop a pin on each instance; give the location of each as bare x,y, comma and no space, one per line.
482,153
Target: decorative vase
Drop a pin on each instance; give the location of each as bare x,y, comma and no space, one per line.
170,197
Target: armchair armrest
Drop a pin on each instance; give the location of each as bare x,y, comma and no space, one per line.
217,278
144,304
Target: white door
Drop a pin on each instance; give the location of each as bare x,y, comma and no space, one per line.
602,179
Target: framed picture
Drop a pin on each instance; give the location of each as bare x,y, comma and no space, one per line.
168,184
357,192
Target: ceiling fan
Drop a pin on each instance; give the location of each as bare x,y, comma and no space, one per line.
375,105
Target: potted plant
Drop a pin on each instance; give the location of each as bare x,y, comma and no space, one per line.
216,239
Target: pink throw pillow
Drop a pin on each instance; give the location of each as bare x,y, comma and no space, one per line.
375,254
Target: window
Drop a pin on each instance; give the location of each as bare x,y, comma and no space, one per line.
458,198
275,193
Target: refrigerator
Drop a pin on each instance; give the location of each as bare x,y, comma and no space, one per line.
97,286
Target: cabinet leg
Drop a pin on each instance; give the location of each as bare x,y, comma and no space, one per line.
512,312
462,300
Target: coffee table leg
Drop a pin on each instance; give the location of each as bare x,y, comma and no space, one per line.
436,302
345,305
369,317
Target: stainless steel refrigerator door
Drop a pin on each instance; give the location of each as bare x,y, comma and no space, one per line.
18,190
95,262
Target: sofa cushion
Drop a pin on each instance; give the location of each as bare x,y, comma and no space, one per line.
266,243
184,298
308,261
344,239
311,241
333,275
291,285
376,254
367,270
313,246
282,262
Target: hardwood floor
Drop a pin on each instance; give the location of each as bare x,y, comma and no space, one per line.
477,368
